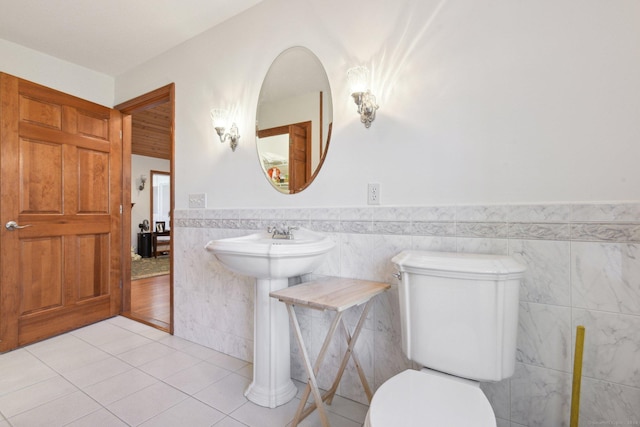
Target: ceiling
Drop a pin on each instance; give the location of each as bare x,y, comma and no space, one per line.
114,36
151,132
110,36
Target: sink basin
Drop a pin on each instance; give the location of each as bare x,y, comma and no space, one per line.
272,262
263,257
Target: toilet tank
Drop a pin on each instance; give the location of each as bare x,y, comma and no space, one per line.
459,312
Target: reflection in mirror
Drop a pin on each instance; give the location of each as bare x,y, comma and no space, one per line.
294,120
160,200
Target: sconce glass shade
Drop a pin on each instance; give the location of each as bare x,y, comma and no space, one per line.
219,118
358,79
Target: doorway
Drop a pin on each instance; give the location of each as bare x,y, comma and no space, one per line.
148,162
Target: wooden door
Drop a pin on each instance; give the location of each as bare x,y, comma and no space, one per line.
299,156
61,177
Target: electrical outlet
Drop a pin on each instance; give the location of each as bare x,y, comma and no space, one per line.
373,194
198,201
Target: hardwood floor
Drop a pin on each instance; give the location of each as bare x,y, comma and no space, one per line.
150,301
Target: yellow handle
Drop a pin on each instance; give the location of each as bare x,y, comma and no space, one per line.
577,377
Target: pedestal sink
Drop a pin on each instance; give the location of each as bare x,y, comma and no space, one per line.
272,261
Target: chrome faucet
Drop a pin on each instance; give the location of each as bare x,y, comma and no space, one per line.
281,232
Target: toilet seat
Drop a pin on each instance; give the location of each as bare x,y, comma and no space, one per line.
422,398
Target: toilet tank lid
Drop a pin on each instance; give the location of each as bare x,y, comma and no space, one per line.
444,263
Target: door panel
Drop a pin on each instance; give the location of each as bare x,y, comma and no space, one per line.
43,281
299,156
93,187
61,174
40,177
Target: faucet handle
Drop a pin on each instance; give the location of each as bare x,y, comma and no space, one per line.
281,231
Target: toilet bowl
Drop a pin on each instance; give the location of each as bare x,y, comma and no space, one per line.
427,398
459,319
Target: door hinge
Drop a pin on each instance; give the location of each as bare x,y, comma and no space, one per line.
121,134
120,209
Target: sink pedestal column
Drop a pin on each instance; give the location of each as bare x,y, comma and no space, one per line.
272,385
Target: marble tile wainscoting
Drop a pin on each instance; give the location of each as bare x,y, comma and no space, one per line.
583,265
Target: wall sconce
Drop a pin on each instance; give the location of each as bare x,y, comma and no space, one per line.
220,118
143,180
358,78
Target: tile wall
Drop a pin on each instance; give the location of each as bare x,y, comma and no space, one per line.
583,265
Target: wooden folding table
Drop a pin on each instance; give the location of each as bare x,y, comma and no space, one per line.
334,294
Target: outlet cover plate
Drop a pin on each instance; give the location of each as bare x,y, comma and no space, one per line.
373,194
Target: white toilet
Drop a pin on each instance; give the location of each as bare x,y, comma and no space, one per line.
459,319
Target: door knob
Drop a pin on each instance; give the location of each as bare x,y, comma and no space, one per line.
12,225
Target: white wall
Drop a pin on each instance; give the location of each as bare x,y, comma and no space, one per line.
55,73
142,198
485,102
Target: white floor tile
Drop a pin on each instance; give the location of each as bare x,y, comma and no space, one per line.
19,369
197,377
246,371
146,353
229,422
169,364
313,420
120,386
51,344
153,333
349,409
258,416
66,352
101,333
123,373
205,353
225,395
97,371
100,418
175,342
227,362
58,412
35,395
189,412
146,404
125,344
129,324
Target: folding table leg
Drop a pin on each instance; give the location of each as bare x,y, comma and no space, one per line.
312,385
351,341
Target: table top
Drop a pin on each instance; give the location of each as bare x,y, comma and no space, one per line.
336,294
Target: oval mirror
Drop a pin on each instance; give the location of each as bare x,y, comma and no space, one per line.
294,120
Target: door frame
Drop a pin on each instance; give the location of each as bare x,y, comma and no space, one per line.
127,108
